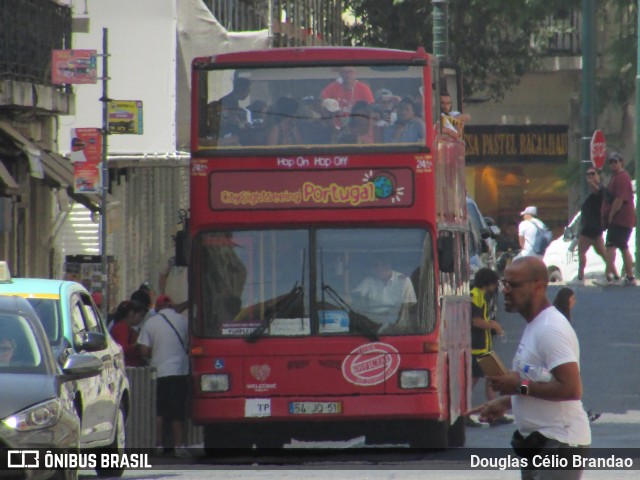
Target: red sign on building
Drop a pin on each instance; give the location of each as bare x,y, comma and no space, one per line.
86,155
73,66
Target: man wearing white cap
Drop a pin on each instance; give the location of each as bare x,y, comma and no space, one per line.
527,231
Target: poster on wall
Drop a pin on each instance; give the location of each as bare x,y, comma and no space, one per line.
73,66
87,269
86,155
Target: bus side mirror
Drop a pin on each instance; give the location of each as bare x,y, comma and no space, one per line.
181,249
445,254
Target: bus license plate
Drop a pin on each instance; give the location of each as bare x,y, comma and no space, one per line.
315,408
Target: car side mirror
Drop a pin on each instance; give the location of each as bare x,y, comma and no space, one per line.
81,365
495,231
93,341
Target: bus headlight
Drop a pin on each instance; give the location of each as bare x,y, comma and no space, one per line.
414,379
218,382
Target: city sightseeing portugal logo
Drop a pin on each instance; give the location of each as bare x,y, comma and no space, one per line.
385,184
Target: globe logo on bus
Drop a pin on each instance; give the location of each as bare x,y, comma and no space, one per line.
384,186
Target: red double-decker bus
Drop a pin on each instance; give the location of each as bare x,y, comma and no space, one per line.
329,269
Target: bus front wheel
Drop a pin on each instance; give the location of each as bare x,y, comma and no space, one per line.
225,439
428,434
457,434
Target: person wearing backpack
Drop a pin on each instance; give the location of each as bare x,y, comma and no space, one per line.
533,234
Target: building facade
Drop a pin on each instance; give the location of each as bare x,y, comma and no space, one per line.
526,149
36,182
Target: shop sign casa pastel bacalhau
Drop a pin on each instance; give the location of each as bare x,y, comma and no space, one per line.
516,143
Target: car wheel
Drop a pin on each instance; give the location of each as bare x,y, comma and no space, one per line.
67,473
555,275
117,446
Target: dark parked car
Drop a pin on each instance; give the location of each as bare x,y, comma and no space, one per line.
37,409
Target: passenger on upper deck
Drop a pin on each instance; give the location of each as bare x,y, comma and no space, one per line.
231,110
284,130
325,129
452,121
255,133
347,90
361,128
227,111
409,128
387,103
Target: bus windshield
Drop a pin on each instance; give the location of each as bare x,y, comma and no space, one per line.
365,281
270,108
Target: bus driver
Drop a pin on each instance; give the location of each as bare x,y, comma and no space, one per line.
386,296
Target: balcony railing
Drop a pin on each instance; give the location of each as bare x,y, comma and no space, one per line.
29,30
293,22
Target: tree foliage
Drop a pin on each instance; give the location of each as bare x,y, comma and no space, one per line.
494,41
616,82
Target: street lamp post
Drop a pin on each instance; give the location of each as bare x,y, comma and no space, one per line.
637,266
104,173
587,123
440,28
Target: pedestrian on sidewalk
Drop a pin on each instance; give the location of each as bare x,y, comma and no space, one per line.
127,317
163,339
619,217
485,283
527,231
565,301
545,387
591,224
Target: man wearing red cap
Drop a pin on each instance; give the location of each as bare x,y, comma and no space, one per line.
164,339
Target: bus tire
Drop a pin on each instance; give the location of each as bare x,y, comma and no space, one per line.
226,440
457,434
428,434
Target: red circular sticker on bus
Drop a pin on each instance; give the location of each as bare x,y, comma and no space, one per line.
371,364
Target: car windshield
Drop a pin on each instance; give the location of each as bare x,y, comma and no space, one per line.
49,312
20,351
365,282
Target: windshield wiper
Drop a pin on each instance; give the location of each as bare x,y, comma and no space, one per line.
282,307
358,321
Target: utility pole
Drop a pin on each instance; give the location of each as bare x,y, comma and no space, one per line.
441,28
636,264
104,173
587,118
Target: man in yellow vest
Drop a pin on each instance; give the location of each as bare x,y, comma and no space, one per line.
485,282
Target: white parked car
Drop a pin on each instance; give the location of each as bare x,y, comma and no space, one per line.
561,256
482,242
